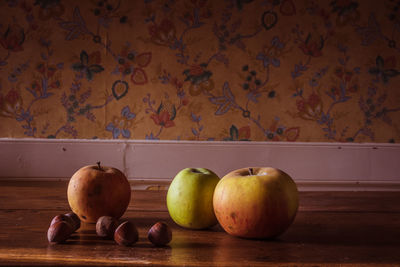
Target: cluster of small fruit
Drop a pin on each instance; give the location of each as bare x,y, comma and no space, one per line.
62,226
124,233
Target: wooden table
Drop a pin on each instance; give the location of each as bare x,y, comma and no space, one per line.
331,228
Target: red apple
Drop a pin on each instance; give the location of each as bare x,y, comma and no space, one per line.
95,191
256,202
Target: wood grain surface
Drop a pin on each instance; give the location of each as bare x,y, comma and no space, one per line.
331,229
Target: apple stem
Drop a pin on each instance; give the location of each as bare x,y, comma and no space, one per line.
251,171
98,165
195,170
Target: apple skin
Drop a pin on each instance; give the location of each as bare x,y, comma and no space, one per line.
95,191
190,198
259,203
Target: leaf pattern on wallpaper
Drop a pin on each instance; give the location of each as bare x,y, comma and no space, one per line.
121,125
381,72
201,70
85,66
119,89
370,33
225,102
76,27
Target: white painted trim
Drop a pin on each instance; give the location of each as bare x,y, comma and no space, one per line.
314,166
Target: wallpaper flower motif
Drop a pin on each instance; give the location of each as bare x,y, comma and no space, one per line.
231,70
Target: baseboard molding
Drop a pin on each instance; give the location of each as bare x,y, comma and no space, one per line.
304,186
314,166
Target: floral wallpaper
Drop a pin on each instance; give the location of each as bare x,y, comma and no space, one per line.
262,70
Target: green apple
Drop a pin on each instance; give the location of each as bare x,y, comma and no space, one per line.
190,198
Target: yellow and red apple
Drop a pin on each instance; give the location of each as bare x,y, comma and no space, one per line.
256,202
